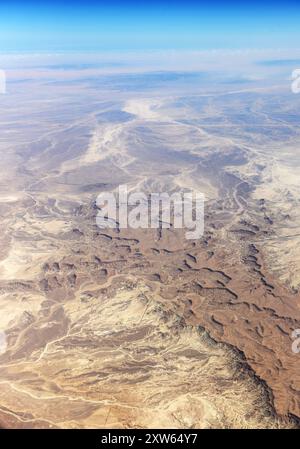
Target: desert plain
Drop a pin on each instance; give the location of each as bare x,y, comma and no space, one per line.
120,328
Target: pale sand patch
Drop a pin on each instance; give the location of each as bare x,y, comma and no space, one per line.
101,143
55,226
13,305
23,262
9,198
105,142
144,108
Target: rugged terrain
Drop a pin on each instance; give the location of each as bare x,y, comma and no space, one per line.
144,328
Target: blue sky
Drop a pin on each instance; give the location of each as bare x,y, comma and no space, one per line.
132,25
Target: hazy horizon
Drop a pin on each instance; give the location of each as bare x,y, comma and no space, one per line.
133,25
